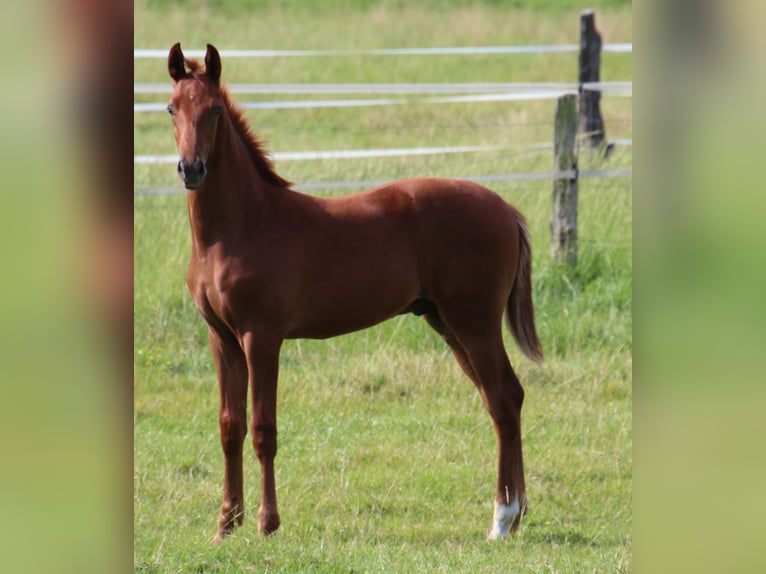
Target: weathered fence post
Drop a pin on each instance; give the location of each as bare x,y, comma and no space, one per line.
564,221
591,121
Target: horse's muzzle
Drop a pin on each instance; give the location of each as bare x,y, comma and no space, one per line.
192,174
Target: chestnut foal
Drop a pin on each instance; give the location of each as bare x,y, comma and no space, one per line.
269,264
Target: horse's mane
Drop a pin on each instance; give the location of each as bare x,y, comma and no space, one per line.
254,146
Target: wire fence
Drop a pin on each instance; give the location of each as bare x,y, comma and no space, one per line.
542,92
444,51
612,88
479,159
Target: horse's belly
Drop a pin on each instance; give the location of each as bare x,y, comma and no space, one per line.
340,312
326,330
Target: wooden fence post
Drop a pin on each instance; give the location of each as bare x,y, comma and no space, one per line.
564,221
591,121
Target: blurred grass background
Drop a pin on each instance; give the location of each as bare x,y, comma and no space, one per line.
697,488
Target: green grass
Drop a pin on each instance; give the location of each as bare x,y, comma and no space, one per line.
387,457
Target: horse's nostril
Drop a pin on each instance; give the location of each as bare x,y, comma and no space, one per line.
191,173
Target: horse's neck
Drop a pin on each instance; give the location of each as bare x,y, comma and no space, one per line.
230,196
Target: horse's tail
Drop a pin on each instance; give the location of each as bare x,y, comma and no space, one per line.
520,309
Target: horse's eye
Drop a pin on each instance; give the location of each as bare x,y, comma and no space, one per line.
217,111
170,110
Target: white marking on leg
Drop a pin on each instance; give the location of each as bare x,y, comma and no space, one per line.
505,514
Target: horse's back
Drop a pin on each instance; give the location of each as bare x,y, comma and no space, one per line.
452,212
440,197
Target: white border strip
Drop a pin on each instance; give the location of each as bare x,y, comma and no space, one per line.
461,50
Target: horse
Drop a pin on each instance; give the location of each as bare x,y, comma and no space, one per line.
269,263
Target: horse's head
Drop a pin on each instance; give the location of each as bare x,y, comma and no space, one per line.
195,106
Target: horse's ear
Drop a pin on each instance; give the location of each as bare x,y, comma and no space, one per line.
213,63
176,66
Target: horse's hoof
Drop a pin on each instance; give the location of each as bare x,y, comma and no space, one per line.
227,522
268,522
505,520
218,538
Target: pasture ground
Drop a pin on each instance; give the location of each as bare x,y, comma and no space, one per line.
387,457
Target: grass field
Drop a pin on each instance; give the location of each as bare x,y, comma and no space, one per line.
387,458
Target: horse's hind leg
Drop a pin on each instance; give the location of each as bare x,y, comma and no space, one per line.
503,396
232,379
438,325
483,358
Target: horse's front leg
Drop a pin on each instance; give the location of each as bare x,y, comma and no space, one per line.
262,351
232,378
